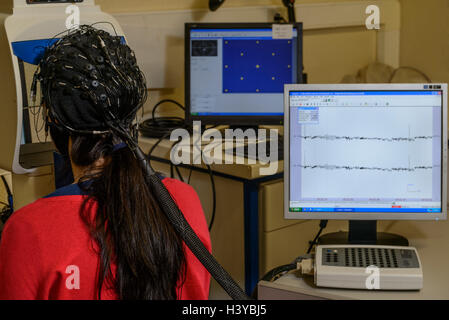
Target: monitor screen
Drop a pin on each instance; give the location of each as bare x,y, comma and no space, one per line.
235,73
374,153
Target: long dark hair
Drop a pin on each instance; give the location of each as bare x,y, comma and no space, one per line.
129,227
90,82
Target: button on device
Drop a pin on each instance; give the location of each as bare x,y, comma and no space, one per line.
406,254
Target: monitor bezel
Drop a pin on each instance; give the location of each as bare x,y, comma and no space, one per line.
364,215
235,120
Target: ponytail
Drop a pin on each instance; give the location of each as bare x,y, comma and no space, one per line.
129,227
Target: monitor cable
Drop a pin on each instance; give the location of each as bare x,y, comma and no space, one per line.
323,225
7,210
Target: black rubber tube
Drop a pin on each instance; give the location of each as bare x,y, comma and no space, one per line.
182,227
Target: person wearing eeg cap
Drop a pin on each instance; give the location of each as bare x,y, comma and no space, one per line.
105,236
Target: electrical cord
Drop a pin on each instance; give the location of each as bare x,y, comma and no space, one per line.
211,175
162,127
214,198
279,271
159,127
5,214
323,225
190,175
7,210
179,173
214,194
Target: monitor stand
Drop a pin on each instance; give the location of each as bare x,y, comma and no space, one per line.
364,233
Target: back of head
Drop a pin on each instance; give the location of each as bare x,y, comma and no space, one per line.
92,89
90,82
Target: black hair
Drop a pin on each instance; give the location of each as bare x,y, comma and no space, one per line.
90,83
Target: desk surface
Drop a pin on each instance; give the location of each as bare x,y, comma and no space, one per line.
239,168
430,238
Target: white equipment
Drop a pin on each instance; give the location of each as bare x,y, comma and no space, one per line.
32,27
24,35
368,267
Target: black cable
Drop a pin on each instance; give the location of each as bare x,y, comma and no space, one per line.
273,274
155,146
179,174
214,195
172,167
191,171
7,210
276,272
171,171
186,232
8,191
323,225
214,198
158,127
106,22
153,113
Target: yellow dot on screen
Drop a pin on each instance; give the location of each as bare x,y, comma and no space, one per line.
257,66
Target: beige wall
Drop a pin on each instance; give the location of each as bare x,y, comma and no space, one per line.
6,6
425,37
114,6
328,54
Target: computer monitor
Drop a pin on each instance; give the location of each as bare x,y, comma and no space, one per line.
236,72
366,152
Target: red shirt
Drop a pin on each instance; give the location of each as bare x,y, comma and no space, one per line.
46,251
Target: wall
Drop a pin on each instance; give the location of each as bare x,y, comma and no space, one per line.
425,37
113,6
6,6
329,54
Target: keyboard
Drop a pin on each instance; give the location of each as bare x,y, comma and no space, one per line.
244,152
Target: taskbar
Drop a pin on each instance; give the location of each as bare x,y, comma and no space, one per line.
241,114
411,210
